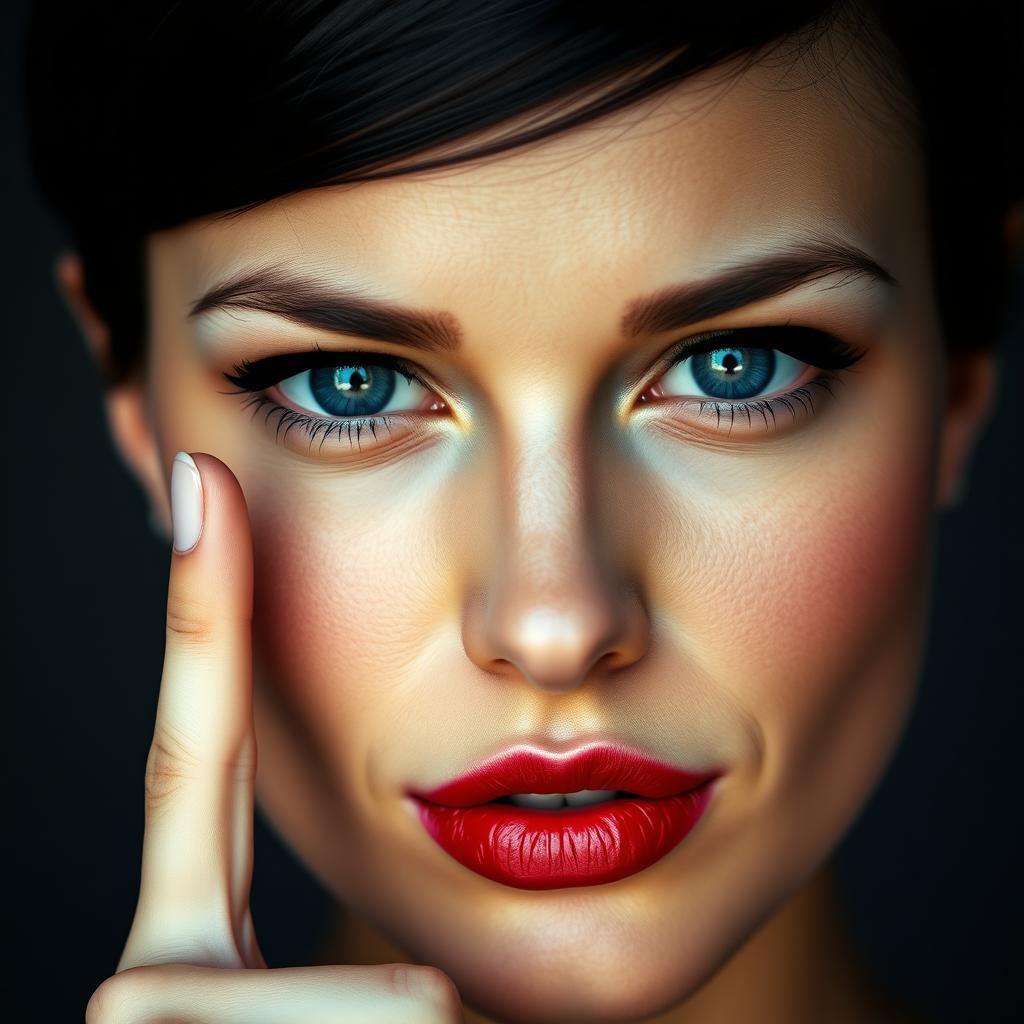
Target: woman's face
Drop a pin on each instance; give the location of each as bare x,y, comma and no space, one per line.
552,542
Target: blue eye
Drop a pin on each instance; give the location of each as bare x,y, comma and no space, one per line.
732,373
354,389
747,372
338,392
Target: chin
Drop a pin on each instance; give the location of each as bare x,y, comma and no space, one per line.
609,953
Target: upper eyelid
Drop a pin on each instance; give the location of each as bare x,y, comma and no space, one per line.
299,362
832,352
841,355
695,343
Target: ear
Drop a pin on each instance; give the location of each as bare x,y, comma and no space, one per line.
971,390
970,399
127,412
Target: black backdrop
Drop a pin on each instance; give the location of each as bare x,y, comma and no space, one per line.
930,872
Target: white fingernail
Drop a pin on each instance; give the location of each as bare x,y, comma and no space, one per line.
186,502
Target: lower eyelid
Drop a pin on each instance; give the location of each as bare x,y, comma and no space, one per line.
764,414
342,434
348,433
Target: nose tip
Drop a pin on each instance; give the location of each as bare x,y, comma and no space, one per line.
557,646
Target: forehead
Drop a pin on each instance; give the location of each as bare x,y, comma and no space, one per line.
718,167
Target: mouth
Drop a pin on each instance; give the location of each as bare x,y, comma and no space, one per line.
534,820
556,801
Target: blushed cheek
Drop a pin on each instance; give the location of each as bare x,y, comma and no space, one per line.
825,604
794,577
346,603
842,654
841,561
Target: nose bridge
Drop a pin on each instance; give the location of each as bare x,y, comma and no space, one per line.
552,603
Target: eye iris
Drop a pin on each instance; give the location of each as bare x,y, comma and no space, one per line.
734,372
352,390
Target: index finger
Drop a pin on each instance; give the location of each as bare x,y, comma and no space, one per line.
197,849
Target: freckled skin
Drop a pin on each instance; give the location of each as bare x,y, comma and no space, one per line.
759,598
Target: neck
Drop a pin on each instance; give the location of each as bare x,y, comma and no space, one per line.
800,966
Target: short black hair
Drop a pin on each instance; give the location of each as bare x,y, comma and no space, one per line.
145,114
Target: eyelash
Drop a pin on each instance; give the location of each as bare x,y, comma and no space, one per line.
809,345
829,354
258,376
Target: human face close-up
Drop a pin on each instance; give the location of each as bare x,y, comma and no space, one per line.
559,539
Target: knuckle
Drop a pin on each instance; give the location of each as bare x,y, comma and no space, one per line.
117,1000
429,986
133,996
169,764
103,1003
189,621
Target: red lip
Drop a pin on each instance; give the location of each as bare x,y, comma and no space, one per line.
601,766
530,848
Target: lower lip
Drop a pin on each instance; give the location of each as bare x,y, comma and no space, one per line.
531,848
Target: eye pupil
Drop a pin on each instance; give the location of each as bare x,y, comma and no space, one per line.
351,378
734,373
730,362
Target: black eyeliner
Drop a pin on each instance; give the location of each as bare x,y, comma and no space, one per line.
808,344
260,374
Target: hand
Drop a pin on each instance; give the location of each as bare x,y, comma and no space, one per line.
192,952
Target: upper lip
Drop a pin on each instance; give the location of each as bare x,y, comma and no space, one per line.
598,766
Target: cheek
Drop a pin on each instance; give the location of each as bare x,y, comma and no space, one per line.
833,562
844,582
799,586
347,601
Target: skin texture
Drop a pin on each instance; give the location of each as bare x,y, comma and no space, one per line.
549,560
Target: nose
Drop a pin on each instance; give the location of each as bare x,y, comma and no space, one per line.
552,607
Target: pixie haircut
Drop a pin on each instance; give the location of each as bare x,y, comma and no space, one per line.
145,114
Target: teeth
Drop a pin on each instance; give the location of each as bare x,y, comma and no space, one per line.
589,796
545,800
552,800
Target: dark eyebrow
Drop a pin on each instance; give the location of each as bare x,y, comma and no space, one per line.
331,307
347,310
799,262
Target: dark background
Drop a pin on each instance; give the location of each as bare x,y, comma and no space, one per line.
931,872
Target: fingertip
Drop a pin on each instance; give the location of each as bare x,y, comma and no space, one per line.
225,511
187,503
210,525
